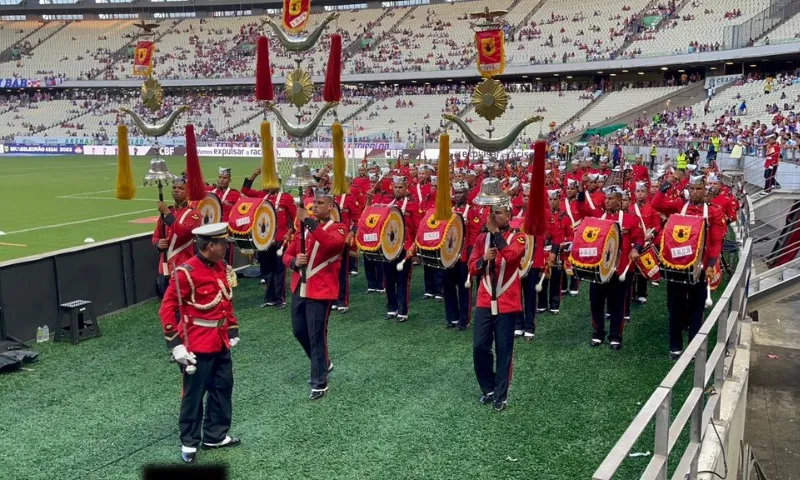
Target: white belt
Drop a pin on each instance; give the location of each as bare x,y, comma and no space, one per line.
208,323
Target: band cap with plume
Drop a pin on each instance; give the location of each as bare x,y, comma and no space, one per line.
554,194
126,187
225,171
642,186
697,179
195,185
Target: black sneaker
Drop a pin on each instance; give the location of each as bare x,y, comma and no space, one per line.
487,398
675,355
188,457
596,342
500,406
316,394
616,346
228,442
451,325
281,306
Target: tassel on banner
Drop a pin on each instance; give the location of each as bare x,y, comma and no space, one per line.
332,91
269,175
126,188
195,185
444,205
339,161
535,222
264,90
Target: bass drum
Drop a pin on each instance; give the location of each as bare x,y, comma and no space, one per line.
595,250
526,262
439,244
252,224
381,232
210,209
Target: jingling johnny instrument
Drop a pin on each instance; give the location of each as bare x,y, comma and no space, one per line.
439,244
252,224
595,250
380,233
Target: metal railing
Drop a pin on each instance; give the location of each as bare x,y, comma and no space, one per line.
697,410
742,35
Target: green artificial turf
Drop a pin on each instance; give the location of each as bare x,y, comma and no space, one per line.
402,403
51,203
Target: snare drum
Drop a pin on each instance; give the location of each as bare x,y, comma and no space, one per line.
439,244
682,247
210,209
380,234
648,263
252,224
594,255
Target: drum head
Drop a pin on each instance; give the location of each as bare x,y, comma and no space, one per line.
527,257
210,209
453,241
263,232
608,264
392,234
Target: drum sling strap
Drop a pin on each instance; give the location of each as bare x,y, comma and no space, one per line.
568,209
501,287
224,195
172,251
314,269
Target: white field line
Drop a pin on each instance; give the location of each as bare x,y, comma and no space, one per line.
3,177
108,198
48,168
78,222
71,195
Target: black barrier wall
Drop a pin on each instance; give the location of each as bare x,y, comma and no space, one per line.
113,275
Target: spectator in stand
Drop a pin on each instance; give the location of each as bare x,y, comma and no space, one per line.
771,165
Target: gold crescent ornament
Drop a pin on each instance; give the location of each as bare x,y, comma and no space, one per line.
152,94
299,88
490,99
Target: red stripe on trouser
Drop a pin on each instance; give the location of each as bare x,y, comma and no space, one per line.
510,370
325,336
408,287
469,304
347,277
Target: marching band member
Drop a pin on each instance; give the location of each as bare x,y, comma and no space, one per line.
457,297
201,328
373,270
650,221
722,198
559,228
686,301
349,213
421,193
315,284
595,198
640,171
397,283
499,303
569,206
173,233
272,268
227,196
612,293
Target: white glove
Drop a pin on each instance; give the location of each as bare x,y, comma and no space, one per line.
234,341
686,194
183,356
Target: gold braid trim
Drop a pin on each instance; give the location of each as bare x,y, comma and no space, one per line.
444,236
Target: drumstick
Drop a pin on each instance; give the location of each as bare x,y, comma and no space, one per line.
709,301
468,283
401,264
622,275
541,280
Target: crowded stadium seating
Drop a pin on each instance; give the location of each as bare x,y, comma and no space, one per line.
420,38
615,103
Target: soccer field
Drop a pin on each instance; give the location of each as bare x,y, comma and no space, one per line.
57,202
403,400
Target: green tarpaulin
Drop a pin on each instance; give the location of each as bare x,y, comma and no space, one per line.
603,131
652,20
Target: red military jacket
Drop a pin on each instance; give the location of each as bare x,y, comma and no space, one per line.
727,204
349,210
472,227
324,245
559,229
773,156
421,192
411,217
632,235
227,197
717,227
641,174
593,205
179,225
473,192
202,318
511,248
573,212
648,218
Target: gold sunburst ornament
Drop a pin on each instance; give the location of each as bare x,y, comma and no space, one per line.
490,99
299,88
152,94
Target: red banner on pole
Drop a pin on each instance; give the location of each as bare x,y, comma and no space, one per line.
491,52
296,14
143,58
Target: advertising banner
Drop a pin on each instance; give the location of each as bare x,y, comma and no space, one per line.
19,83
15,148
